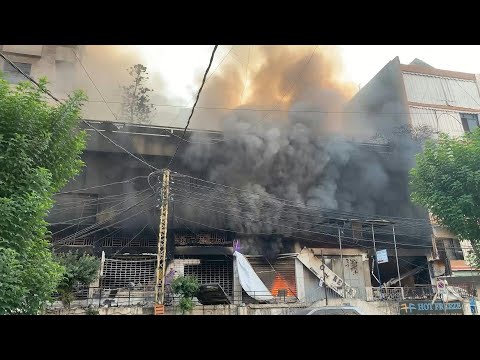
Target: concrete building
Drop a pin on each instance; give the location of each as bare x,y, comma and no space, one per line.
421,101
42,60
88,215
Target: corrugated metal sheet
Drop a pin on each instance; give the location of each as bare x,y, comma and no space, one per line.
428,89
213,272
444,121
276,275
353,272
120,273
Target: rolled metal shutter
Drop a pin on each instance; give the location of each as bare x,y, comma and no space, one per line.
277,275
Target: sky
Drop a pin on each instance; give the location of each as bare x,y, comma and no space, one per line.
362,62
178,64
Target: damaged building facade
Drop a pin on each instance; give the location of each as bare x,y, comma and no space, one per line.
424,102
348,199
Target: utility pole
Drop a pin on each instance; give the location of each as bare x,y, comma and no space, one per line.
396,255
376,260
341,260
324,283
162,243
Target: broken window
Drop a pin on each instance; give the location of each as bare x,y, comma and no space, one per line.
12,75
449,249
469,122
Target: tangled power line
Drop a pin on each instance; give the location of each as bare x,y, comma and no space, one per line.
193,198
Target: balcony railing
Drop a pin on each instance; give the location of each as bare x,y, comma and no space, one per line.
145,295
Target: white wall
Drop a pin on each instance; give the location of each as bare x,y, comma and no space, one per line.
439,120
435,90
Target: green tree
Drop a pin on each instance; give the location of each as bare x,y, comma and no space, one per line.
186,287
40,148
80,269
446,181
136,100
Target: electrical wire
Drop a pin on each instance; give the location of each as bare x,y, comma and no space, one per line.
48,93
103,228
135,194
28,77
101,95
296,204
193,108
97,200
256,234
88,75
129,242
84,231
110,207
322,225
305,230
218,193
84,121
246,74
323,241
222,198
222,212
183,106
100,186
119,146
220,108
55,211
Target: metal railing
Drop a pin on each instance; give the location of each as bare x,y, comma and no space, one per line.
145,296
394,294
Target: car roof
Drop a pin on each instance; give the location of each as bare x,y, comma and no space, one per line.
311,311
333,308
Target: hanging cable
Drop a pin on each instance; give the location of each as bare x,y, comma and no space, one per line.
193,108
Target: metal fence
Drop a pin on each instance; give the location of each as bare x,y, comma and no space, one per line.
145,296
393,294
85,296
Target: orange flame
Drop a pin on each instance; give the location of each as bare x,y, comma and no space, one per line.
280,284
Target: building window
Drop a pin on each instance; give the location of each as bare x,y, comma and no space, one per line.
12,75
469,122
449,249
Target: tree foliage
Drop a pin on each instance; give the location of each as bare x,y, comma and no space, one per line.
40,148
186,287
136,100
446,181
80,269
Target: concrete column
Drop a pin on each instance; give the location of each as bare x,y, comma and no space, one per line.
366,270
300,280
237,287
96,284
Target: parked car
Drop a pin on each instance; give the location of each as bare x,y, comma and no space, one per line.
332,310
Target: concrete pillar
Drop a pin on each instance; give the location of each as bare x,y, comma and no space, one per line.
96,284
300,280
237,287
366,270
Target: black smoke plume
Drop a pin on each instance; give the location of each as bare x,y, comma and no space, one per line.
303,157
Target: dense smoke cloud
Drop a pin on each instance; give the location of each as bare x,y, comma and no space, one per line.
298,156
302,153
107,65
